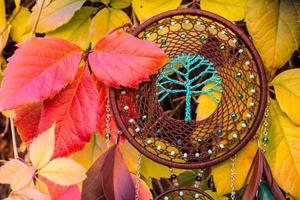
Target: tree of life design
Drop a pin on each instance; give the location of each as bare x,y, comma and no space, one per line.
188,74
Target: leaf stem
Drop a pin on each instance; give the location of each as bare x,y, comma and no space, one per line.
13,134
37,20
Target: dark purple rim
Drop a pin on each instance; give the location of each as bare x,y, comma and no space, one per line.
263,93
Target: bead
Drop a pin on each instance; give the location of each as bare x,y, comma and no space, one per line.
137,96
252,91
172,153
131,121
212,26
183,36
149,141
158,132
251,76
125,107
247,62
222,48
219,132
148,35
233,116
248,116
181,193
244,125
173,23
198,23
123,92
187,21
185,155
251,104
235,136
197,195
173,177
198,178
161,27
239,74
107,135
202,38
240,96
234,40
158,148
209,151
223,32
222,146
166,198
265,139
179,142
241,50
197,155
144,117
200,141
163,41
138,129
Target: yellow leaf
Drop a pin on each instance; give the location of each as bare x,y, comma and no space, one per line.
283,150
77,29
55,14
215,195
106,20
90,152
206,104
233,10
4,27
17,3
63,171
222,172
144,9
287,90
120,4
9,169
22,178
274,29
18,29
42,147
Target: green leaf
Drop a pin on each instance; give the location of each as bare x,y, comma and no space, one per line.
77,29
283,150
287,90
144,9
120,4
54,14
233,10
106,20
274,29
18,29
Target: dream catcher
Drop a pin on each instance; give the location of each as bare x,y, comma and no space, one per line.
166,119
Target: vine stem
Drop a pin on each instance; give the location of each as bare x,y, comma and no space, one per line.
13,134
37,20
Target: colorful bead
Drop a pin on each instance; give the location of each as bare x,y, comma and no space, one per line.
125,107
181,193
166,198
144,117
148,35
248,116
149,141
202,38
123,92
185,155
209,151
212,26
187,21
244,125
219,132
222,146
158,132
172,153
235,136
161,27
247,62
251,104
239,74
163,41
251,76
173,23
197,155
252,91
265,140
158,148
223,32
107,135
197,195
240,96
138,129
198,23
131,121
241,50
234,116
179,142
200,141
222,48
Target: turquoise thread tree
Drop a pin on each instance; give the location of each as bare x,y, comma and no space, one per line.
190,86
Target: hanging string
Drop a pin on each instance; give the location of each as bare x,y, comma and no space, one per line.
233,159
138,176
107,122
265,128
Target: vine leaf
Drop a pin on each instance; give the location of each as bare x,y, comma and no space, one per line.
108,178
31,75
190,84
121,53
75,112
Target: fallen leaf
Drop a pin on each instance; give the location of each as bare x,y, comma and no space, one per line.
22,178
144,9
109,18
75,112
283,150
63,171
31,75
32,194
18,29
42,148
4,27
77,29
9,169
287,90
274,30
120,4
54,14
233,10
121,53
144,190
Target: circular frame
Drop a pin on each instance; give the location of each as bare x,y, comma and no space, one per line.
262,101
183,188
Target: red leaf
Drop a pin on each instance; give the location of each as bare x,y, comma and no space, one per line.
108,178
38,69
120,59
75,112
27,120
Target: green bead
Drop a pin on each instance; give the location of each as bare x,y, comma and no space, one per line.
202,38
107,135
222,48
239,74
234,116
240,96
200,141
219,132
163,41
265,139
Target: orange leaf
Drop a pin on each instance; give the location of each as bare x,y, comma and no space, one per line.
39,69
120,59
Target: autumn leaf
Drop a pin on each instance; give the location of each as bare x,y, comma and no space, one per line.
120,4
77,29
75,112
9,169
233,10
283,150
221,172
4,27
54,14
144,9
274,30
18,29
31,75
287,90
144,190
109,18
120,53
